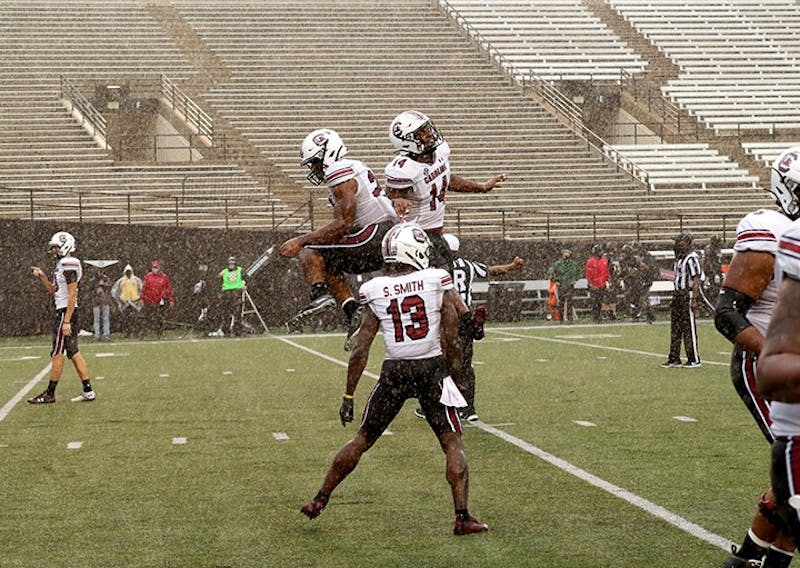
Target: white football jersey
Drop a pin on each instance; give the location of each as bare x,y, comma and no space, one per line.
429,183
61,296
409,307
372,204
785,416
760,231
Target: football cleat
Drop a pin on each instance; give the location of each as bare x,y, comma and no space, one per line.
84,397
468,525
671,364
734,561
316,305
313,508
44,398
419,413
468,414
691,364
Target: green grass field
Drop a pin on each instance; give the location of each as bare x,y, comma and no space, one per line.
260,422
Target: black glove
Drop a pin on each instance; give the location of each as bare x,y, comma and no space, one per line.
346,410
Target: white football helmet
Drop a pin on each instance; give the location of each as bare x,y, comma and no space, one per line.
413,133
64,241
319,150
785,183
406,243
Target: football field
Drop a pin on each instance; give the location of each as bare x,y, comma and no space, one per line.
199,453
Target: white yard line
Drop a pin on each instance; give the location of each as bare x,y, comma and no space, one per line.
9,406
648,506
592,345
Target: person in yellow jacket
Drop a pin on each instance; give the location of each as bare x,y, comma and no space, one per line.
230,299
126,292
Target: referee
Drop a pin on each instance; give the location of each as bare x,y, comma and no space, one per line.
464,274
685,302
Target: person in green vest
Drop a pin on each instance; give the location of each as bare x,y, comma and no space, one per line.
230,300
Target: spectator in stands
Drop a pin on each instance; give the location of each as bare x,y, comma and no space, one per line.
351,242
101,307
597,275
712,267
744,309
419,178
688,275
156,298
126,292
564,272
465,272
230,299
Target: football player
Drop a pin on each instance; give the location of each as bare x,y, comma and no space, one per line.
745,305
417,316
64,288
350,243
417,181
779,376
421,175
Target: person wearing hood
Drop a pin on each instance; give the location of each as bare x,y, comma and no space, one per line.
127,291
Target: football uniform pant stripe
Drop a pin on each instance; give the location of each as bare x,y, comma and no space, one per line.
744,371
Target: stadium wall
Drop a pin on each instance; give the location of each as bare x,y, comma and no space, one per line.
278,289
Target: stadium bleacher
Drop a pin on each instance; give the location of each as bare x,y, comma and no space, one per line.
734,57
50,168
274,79
556,40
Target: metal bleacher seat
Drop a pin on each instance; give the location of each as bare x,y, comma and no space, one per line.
723,49
687,165
540,38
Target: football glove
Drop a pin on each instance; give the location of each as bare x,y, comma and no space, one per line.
346,410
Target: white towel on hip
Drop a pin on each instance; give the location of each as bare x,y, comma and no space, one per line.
451,396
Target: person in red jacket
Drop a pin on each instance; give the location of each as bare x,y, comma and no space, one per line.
156,297
597,274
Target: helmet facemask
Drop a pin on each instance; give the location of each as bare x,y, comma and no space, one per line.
792,206
316,174
785,183
427,138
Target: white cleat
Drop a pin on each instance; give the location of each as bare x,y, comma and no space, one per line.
84,397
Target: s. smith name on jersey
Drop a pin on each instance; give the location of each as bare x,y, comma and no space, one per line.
404,288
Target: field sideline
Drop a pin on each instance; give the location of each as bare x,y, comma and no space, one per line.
199,453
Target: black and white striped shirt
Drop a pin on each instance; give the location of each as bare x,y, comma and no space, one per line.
464,272
686,270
